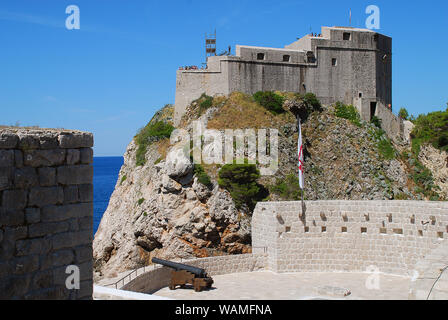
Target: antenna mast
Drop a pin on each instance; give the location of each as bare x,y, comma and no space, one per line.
210,45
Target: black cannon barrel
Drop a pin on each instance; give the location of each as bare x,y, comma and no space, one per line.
179,266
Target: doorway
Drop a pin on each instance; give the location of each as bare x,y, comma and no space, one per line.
372,110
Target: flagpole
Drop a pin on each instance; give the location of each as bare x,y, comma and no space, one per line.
300,154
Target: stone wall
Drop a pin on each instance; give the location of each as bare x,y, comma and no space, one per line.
46,212
348,236
153,278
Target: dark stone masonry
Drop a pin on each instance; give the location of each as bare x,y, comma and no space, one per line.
46,213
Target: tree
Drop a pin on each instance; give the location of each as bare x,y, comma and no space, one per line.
403,113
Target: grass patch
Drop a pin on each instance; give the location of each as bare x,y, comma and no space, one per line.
288,188
140,201
123,179
202,176
149,134
348,112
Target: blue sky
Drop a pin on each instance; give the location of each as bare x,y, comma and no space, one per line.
110,76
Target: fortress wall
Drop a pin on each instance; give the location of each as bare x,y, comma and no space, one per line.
391,124
349,236
46,213
153,278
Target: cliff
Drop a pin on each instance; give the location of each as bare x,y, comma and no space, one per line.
163,208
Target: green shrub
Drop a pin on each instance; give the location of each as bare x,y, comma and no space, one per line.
376,121
348,112
288,188
204,102
149,134
270,100
241,181
145,214
431,128
123,179
403,113
311,100
386,149
202,176
140,201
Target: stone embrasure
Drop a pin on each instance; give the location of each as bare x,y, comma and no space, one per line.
46,211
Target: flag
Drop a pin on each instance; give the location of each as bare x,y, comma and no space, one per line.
300,152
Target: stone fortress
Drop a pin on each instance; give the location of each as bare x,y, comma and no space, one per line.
344,64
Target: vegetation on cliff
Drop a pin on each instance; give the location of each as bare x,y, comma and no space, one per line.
431,128
151,133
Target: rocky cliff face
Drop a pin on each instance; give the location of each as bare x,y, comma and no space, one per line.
161,209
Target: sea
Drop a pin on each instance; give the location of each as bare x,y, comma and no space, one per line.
105,175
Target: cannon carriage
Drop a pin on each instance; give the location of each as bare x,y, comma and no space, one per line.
183,274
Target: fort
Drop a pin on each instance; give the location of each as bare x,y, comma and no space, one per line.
344,64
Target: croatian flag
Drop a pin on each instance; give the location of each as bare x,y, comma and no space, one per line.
300,147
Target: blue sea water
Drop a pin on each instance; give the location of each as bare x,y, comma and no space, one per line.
105,175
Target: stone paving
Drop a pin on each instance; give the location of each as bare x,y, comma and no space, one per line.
266,285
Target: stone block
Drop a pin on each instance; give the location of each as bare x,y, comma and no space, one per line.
32,246
76,140
80,174
25,178
86,192
63,257
8,140
14,199
28,141
6,177
18,158
6,158
47,176
71,194
85,223
83,254
63,240
44,158
44,196
32,215
49,140
42,280
85,290
61,213
11,217
14,287
47,228
26,264
73,156
86,155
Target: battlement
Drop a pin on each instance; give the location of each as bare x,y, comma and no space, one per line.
344,64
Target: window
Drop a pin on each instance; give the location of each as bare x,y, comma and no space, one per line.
334,62
286,58
360,94
260,56
347,36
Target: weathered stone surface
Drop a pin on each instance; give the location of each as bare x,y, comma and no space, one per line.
28,141
49,140
23,265
73,156
8,140
14,199
14,286
32,246
6,177
47,176
25,178
71,194
86,155
177,164
6,158
86,192
64,212
32,215
44,158
47,228
81,174
76,140
63,257
83,254
18,158
45,196
11,217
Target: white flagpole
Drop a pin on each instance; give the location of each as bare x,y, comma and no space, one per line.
300,153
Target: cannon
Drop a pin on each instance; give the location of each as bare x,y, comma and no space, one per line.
183,274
